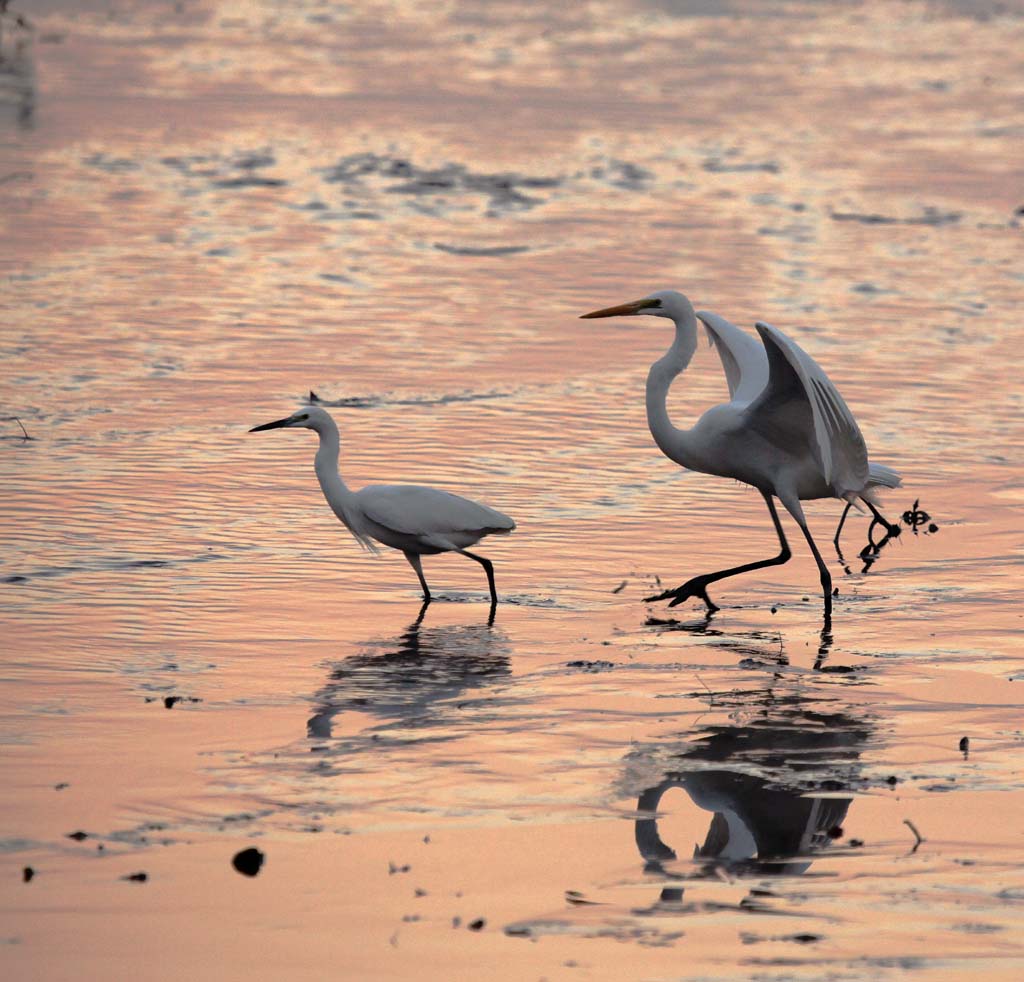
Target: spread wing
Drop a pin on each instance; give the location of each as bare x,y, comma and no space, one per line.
795,375
743,358
415,510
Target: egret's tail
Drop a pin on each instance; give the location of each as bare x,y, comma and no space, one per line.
880,476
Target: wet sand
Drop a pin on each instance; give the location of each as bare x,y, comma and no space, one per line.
212,209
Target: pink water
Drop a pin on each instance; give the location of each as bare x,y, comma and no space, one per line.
211,208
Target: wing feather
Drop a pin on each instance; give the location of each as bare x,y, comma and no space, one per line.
414,510
840,446
743,358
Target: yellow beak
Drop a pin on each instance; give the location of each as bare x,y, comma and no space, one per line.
623,309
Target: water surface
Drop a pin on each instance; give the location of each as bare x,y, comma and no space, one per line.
210,209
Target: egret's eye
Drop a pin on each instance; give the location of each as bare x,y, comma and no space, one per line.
656,302
303,417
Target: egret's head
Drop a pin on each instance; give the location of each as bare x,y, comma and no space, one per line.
309,417
662,303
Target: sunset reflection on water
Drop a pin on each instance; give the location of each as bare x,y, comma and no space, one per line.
215,207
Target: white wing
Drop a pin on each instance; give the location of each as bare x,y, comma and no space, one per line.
743,358
414,510
841,451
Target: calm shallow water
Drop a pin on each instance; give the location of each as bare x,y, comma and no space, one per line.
210,209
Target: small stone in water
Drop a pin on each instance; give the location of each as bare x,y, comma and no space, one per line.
248,861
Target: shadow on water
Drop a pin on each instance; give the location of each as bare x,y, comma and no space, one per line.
777,787
754,647
405,677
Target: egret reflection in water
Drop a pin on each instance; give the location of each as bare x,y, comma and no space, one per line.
412,677
777,785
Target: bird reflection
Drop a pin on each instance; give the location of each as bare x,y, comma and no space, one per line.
403,677
773,784
870,552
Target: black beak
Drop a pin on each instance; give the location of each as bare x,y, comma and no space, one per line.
272,426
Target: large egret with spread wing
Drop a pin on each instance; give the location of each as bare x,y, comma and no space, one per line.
418,521
786,430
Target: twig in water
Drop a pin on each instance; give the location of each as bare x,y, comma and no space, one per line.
917,835
24,432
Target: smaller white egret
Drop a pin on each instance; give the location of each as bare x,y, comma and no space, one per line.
417,521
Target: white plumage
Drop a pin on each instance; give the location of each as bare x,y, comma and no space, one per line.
418,521
786,429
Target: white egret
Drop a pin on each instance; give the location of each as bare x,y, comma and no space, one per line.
745,363
786,430
418,521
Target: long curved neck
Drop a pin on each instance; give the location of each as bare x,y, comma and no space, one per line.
334,488
674,443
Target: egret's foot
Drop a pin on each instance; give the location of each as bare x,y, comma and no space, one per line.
697,587
873,549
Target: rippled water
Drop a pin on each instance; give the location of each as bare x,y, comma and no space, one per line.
211,209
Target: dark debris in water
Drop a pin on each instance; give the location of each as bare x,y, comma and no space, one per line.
23,436
171,701
248,862
139,877
804,937
590,666
916,517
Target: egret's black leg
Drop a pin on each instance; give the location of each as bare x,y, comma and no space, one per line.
698,586
842,521
417,564
825,575
891,532
488,569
